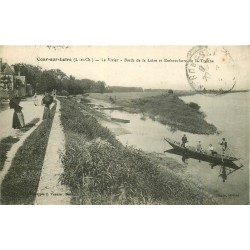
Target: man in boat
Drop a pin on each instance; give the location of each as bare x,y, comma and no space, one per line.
211,149
184,140
199,148
224,145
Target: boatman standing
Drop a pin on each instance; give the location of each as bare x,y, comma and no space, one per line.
199,147
184,140
224,145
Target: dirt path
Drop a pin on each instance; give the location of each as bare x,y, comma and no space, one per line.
50,191
30,111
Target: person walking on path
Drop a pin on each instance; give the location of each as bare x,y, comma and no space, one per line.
35,100
18,118
47,101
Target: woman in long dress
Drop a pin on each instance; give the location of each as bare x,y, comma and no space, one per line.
18,118
47,100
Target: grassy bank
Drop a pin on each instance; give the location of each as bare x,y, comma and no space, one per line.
21,182
5,145
7,142
167,109
136,95
99,170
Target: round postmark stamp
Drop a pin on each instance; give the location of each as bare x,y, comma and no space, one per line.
211,70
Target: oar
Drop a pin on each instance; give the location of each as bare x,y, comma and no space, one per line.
217,132
234,170
236,157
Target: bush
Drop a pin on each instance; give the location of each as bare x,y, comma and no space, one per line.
64,93
194,105
85,100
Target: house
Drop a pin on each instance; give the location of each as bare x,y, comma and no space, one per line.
10,82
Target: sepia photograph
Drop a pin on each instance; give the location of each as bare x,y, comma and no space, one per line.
124,125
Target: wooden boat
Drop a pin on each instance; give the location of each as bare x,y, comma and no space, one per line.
204,156
113,108
120,120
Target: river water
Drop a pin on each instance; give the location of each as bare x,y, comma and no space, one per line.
230,114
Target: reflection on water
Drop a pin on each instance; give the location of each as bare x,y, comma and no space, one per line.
225,169
229,113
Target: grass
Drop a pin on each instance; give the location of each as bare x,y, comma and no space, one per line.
123,95
100,170
21,182
172,111
29,125
136,95
7,142
5,145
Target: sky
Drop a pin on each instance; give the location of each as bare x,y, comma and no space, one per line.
133,65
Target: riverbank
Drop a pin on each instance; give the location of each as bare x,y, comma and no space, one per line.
168,109
98,169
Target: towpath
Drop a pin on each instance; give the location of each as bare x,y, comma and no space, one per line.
50,190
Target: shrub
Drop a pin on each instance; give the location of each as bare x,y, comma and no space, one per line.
194,105
85,100
64,93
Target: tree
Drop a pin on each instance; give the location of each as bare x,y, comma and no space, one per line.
48,80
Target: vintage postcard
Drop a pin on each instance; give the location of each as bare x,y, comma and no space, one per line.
124,125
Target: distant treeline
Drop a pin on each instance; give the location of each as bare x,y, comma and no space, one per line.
155,90
46,80
123,89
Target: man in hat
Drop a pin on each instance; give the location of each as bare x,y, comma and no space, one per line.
224,145
184,140
47,101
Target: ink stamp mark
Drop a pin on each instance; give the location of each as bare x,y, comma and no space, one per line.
210,70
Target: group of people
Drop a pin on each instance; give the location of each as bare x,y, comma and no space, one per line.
18,117
184,143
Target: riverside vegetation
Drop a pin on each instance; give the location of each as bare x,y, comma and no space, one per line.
98,169
167,108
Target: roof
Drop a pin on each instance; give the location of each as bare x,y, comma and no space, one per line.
6,69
